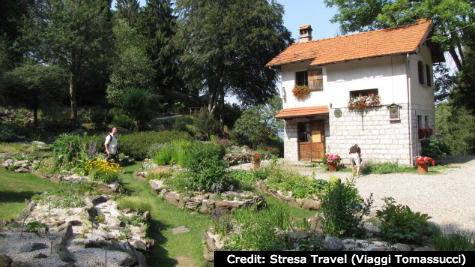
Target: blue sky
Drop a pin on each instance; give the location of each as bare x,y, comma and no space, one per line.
303,12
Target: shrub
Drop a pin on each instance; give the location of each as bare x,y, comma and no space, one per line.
138,144
137,104
7,133
205,124
97,115
250,129
66,149
343,209
453,242
134,203
434,148
260,230
170,153
205,168
122,120
400,224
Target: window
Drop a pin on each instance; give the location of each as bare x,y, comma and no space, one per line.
359,93
315,79
426,121
428,76
303,130
419,122
301,78
420,70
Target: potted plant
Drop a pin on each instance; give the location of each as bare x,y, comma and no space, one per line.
332,161
301,91
423,164
256,160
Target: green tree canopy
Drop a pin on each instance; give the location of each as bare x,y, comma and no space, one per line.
34,86
227,44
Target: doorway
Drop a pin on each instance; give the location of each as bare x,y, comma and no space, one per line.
311,139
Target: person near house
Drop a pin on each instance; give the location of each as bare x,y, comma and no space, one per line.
110,145
355,158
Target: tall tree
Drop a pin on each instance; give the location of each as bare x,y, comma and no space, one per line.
72,33
226,58
128,10
157,24
34,86
132,68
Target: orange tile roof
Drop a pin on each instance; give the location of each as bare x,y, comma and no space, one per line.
301,112
356,46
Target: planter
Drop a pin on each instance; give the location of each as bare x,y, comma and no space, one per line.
331,167
256,164
422,168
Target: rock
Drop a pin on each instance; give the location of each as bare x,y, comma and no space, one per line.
147,215
172,198
192,206
204,207
5,261
29,247
156,185
75,223
139,244
207,254
348,241
20,163
310,204
92,212
148,164
38,143
40,256
426,248
180,230
20,264
98,200
115,186
373,247
225,204
128,261
67,265
63,253
22,170
401,247
332,243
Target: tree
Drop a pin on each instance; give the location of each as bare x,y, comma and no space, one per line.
34,86
128,10
251,128
137,105
225,58
72,33
157,24
132,69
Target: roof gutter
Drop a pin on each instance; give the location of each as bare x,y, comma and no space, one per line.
409,109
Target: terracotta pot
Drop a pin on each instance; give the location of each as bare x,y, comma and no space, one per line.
256,164
331,167
422,168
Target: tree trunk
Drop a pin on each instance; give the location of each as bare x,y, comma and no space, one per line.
73,115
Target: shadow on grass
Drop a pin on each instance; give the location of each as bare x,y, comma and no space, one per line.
158,256
11,196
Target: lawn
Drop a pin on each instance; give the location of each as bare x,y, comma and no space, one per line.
16,187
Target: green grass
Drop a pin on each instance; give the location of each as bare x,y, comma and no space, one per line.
453,242
134,203
16,187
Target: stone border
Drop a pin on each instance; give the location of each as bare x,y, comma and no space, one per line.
304,203
206,203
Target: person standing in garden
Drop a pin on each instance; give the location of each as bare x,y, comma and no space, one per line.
355,158
111,144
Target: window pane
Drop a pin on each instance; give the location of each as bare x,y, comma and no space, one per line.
420,70
301,78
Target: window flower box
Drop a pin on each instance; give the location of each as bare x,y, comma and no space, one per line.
362,103
301,91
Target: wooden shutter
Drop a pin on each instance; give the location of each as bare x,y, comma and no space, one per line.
315,79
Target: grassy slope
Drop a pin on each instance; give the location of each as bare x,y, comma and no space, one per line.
16,187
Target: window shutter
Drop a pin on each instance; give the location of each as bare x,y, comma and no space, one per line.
420,70
315,79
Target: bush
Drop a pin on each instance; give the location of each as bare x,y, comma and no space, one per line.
122,121
205,168
205,124
170,153
97,115
7,133
453,242
66,150
400,224
103,170
134,203
137,104
250,129
343,209
434,148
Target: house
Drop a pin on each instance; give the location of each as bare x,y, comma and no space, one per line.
374,89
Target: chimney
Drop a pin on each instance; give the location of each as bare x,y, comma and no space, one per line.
305,33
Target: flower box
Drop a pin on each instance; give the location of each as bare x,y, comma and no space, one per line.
301,91
362,103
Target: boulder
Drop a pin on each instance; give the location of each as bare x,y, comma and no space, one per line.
172,198
5,261
332,243
139,244
40,256
29,247
192,205
99,199
204,209
310,204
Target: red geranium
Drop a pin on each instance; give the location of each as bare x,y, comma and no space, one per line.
255,157
301,91
425,161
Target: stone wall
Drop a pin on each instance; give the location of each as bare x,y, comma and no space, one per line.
380,139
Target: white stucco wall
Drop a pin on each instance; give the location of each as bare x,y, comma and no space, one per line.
379,138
